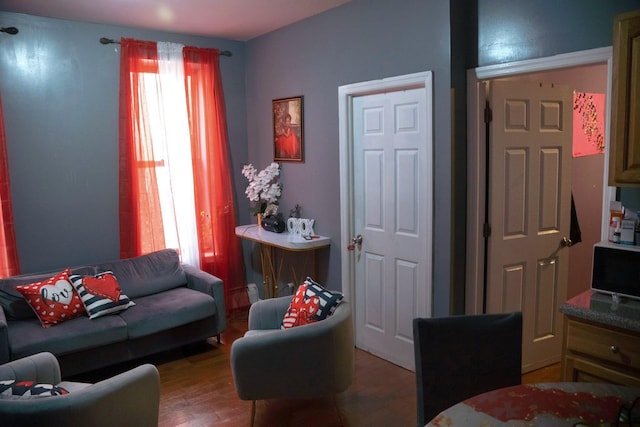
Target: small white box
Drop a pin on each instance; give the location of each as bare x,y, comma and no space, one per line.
627,231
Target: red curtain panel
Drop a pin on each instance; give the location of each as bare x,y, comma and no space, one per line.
8,250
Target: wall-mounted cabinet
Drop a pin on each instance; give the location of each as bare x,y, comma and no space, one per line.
624,153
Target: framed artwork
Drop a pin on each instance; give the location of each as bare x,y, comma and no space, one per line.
288,129
588,123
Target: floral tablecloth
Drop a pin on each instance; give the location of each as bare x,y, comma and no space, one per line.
545,404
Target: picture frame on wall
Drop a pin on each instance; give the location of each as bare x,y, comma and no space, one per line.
288,129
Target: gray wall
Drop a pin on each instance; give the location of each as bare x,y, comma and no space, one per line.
59,89
367,40
513,30
361,41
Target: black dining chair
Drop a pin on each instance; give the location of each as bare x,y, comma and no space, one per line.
458,357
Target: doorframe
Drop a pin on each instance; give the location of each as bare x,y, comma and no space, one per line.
346,93
476,167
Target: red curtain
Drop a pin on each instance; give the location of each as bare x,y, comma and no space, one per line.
220,251
8,251
140,219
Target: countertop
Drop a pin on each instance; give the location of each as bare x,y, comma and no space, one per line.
602,308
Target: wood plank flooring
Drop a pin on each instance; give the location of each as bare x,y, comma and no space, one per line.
197,391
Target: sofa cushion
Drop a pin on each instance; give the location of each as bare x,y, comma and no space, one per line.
166,310
310,304
148,274
53,300
13,303
100,294
12,389
28,337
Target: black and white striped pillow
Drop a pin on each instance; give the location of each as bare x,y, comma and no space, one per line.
97,305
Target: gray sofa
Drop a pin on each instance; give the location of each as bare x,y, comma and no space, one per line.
175,304
129,399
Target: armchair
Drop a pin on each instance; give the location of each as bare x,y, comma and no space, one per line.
305,361
129,399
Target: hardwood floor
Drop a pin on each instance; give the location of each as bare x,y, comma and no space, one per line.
548,374
197,390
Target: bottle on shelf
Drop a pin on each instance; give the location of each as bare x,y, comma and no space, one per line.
616,233
613,226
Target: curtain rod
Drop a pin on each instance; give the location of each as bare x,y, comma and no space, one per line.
105,40
9,30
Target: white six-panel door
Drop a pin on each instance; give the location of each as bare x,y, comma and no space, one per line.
391,140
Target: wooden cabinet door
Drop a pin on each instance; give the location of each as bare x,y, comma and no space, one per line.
624,166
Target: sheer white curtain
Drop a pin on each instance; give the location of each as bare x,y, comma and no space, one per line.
169,128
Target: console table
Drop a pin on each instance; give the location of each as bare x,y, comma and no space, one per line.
268,243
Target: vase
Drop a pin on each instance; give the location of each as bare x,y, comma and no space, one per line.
259,219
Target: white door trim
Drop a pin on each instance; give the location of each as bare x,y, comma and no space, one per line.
476,160
345,111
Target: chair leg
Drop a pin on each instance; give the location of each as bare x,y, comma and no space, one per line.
335,403
253,412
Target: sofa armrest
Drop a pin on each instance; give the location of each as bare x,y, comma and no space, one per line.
268,313
40,367
316,359
209,284
5,354
128,399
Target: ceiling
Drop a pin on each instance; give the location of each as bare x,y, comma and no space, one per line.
229,19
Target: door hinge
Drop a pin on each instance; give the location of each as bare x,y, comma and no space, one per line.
488,115
486,230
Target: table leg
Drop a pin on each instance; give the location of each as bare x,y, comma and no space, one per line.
308,256
270,277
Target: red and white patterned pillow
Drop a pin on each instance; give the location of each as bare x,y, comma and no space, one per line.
12,389
53,300
310,304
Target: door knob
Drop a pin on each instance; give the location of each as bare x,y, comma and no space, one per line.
566,242
355,241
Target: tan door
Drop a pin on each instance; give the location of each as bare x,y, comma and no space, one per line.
392,140
529,214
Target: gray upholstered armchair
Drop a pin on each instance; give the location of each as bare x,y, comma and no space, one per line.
129,399
305,361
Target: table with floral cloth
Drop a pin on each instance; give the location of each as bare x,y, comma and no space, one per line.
544,404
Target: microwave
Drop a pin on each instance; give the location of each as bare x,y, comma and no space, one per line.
616,269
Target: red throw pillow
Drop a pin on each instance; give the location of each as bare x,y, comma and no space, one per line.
53,300
301,309
310,304
105,286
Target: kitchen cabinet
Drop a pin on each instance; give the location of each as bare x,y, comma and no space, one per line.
601,340
598,353
624,150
